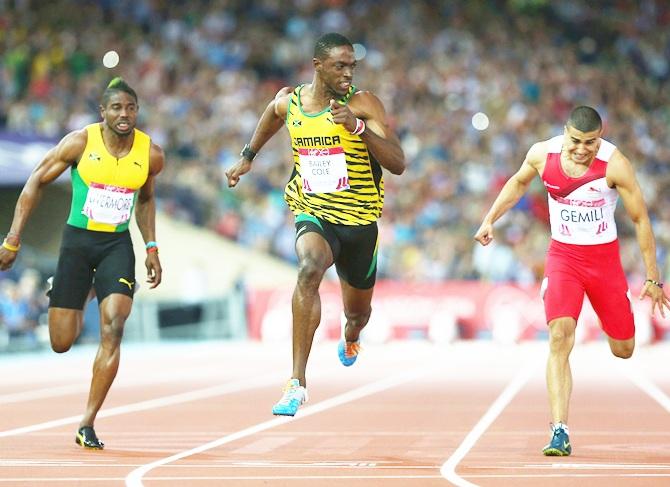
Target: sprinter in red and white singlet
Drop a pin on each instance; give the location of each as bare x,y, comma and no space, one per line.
584,250
584,176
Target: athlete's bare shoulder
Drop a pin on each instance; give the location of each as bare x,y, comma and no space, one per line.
156,159
365,101
537,154
66,153
72,145
281,101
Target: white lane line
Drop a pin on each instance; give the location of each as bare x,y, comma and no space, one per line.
644,383
448,469
573,466
342,465
42,393
240,466
83,386
231,387
222,478
568,476
134,478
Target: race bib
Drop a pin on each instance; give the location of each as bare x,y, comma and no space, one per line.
108,204
323,170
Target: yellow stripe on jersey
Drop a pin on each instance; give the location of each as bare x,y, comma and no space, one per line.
358,198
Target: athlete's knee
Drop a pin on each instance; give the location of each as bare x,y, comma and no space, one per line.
561,336
310,272
63,331
623,350
59,344
623,353
112,331
358,319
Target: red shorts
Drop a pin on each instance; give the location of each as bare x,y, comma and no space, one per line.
572,270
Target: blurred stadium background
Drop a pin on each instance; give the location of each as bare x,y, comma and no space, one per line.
469,85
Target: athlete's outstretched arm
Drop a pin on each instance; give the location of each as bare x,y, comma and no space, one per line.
55,161
511,193
145,214
269,124
380,140
621,174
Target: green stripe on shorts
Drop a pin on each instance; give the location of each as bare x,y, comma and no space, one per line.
304,217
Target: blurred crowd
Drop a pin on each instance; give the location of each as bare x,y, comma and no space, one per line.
23,305
205,70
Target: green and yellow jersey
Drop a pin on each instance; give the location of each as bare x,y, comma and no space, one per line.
334,176
104,188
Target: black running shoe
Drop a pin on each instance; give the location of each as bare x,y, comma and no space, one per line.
87,438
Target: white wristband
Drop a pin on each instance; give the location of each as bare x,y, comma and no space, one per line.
360,127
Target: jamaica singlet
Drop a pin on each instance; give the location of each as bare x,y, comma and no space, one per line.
334,177
104,188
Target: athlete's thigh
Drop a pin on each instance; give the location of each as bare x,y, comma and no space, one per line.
315,240
355,301
74,273
610,297
65,325
115,273
357,262
115,306
562,292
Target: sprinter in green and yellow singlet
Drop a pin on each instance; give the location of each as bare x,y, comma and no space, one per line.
341,141
113,166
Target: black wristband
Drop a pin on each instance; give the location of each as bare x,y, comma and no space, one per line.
247,153
659,284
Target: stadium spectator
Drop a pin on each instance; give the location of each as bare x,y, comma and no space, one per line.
198,63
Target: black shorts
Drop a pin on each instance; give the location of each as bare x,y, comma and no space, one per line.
354,248
104,260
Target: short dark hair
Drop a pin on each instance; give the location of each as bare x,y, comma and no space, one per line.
117,84
327,41
585,119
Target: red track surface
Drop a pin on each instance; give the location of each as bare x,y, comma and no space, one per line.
199,414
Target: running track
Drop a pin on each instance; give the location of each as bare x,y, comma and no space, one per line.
407,414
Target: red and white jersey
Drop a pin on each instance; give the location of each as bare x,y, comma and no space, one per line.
581,210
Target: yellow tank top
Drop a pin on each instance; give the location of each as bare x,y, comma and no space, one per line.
334,176
104,188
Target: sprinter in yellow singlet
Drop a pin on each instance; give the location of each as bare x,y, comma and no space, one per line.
341,141
112,166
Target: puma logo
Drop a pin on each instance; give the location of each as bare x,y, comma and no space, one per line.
137,163
127,283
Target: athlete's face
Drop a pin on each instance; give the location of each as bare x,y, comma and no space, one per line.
336,71
120,113
581,147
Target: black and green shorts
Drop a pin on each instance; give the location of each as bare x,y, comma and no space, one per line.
354,248
102,260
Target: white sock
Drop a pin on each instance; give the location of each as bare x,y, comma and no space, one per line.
561,425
